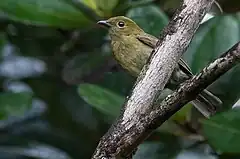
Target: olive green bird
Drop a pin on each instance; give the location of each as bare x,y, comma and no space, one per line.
132,47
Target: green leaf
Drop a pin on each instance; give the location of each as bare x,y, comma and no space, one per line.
3,42
223,131
212,39
228,156
106,5
181,115
109,103
55,13
102,99
118,82
168,147
81,66
90,3
14,104
150,18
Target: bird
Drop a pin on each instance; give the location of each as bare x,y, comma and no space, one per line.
132,47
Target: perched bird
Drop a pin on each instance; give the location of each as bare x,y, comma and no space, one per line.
132,47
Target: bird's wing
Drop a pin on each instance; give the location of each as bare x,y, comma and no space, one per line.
151,41
148,40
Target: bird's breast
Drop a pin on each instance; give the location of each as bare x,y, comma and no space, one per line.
131,55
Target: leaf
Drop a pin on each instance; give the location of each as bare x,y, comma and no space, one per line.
14,104
65,111
106,5
102,99
55,13
81,66
223,131
212,39
150,18
3,43
90,3
181,115
118,82
167,147
109,103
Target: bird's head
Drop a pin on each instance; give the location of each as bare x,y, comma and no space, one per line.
120,26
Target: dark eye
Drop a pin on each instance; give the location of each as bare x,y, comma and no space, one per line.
121,24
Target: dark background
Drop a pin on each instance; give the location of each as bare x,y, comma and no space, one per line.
61,88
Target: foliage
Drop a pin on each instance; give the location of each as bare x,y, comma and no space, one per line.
61,89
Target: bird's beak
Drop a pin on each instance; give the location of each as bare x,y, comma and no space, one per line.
104,23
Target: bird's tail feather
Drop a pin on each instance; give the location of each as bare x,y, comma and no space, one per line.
207,103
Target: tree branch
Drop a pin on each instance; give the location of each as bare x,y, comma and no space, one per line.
141,113
192,87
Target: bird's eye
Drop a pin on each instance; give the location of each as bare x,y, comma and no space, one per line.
121,24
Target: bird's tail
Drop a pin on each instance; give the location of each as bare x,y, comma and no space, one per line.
207,103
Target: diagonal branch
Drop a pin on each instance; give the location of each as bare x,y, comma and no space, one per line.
140,116
192,87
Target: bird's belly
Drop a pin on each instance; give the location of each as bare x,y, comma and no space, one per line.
131,58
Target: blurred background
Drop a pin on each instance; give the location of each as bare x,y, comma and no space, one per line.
61,88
